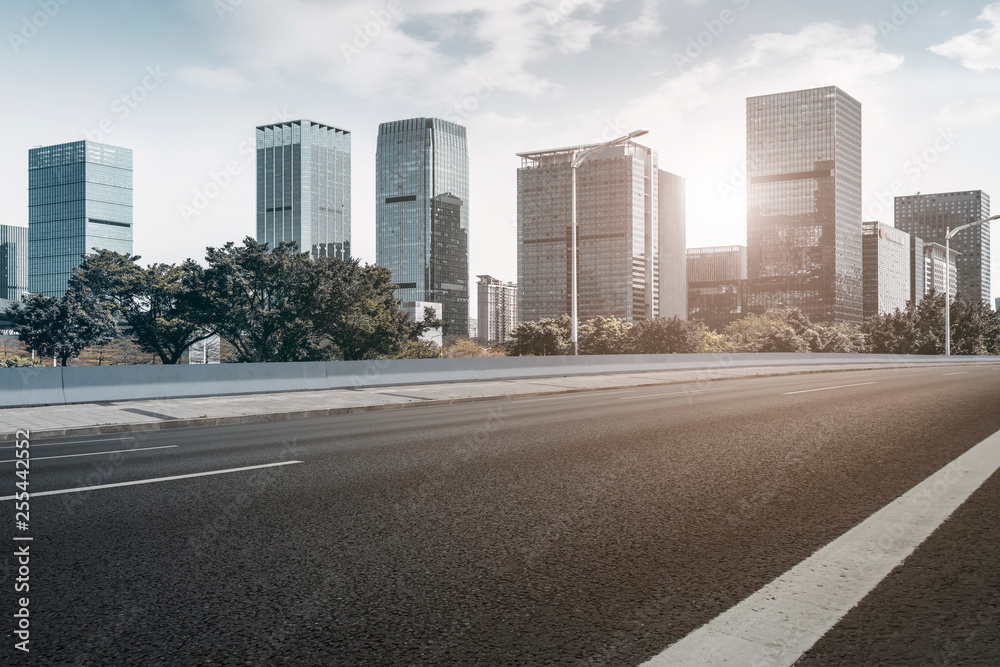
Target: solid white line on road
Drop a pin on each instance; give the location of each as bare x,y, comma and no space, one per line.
76,442
842,386
153,481
776,625
956,373
671,393
68,456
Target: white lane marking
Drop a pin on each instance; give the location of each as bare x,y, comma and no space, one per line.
842,386
75,442
776,625
35,494
67,456
956,373
671,393
547,398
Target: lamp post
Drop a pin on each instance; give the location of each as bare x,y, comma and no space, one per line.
577,160
948,234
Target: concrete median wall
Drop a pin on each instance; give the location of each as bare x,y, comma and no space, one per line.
91,384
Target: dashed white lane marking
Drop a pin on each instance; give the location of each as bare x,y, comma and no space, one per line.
842,386
75,442
776,625
69,456
153,481
956,373
671,393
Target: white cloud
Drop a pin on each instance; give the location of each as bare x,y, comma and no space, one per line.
644,28
979,50
224,79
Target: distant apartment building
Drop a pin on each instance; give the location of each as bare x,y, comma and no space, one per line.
886,252
416,310
934,269
630,235
717,285
13,262
422,214
998,304
930,216
79,201
473,328
804,204
304,187
497,308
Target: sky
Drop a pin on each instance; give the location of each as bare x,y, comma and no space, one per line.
183,83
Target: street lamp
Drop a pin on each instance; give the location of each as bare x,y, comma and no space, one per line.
578,158
948,233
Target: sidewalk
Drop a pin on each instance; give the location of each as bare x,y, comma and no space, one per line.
130,416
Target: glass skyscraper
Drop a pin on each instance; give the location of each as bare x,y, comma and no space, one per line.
929,216
887,271
422,214
804,204
630,240
717,285
13,262
304,187
79,201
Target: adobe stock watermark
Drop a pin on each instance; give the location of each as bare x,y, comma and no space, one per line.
123,105
714,29
914,168
900,16
462,111
363,35
220,179
33,24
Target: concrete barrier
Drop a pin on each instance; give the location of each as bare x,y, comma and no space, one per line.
90,384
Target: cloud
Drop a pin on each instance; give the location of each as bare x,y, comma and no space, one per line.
978,50
644,28
224,79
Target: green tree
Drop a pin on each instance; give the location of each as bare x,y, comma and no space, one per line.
264,303
61,327
604,335
419,349
667,336
159,303
545,337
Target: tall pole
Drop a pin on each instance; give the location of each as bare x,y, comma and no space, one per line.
947,291
572,250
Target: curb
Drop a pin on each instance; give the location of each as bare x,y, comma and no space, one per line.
197,422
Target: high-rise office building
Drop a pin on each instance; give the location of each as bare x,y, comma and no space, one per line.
918,271
804,203
304,187
929,217
79,201
422,214
934,271
630,236
497,309
717,285
998,304
13,262
416,311
887,268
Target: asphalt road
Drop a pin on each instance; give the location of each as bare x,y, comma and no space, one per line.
594,528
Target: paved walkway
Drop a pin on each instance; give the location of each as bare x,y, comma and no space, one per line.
125,416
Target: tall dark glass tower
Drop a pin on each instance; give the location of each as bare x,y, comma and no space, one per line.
929,217
804,204
13,262
79,200
422,214
304,187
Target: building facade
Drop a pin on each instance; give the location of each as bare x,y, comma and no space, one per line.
930,216
422,214
304,187
934,269
497,309
717,285
630,236
887,270
13,262
79,201
918,271
804,204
